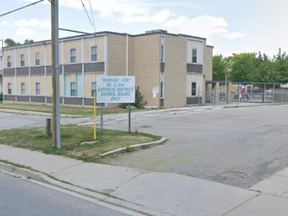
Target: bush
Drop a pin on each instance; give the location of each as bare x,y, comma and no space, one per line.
139,103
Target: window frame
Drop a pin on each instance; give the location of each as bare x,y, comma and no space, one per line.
9,88
74,90
193,90
194,57
94,54
37,90
9,61
22,61
23,90
37,58
72,56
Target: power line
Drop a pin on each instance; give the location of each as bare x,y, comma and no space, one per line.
9,12
87,13
91,10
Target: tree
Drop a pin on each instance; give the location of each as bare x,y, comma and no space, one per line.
281,66
27,41
219,67
10,42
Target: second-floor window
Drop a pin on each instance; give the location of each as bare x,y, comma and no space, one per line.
93,88
73,89
194,55
94,53
9,88
37,58
9,61
22,60
162,53
38,89
72,55
23,89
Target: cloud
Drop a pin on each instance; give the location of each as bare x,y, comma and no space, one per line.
25,32
234,35
5,23
32,23
201,26
158,17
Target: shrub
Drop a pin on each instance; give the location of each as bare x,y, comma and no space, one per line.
139,102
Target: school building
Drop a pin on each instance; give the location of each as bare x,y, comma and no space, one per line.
171,70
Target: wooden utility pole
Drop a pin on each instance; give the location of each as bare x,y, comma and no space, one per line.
55,73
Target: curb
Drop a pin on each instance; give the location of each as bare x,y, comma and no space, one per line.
52,181
136,146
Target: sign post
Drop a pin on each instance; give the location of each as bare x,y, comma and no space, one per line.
117,89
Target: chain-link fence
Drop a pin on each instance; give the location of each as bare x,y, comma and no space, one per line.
221,93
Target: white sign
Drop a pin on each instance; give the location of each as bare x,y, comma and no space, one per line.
116,89
155,91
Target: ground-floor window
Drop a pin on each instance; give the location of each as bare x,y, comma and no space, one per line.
93,88
23,89
73,89
38,88
9,88
162,90
193,89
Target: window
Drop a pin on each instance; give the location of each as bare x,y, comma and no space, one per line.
37,58
9,88
23,89
37,88
93,88
193,89
162,53
194,55
73,89
72,55
161,90
22,59
94,53
8,61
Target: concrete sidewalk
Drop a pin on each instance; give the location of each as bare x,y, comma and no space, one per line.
161,193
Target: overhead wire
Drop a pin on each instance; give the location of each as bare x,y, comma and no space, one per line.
21,8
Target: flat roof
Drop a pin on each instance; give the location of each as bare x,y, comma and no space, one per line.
103,33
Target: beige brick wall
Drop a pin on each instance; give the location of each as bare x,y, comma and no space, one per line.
5,86
208,63
89,78
116,55
24,79
175,71
146,66
6,54
33,51
74,44
90,42
34,80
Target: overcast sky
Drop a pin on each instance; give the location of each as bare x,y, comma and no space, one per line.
231,26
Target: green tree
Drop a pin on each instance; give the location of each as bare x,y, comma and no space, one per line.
219,67
281,66
27,41
10,42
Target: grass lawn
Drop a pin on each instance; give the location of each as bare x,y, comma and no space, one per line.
71,138
72,110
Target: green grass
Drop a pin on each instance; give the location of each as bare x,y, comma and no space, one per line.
71,138
71,110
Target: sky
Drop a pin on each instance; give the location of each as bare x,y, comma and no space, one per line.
231,26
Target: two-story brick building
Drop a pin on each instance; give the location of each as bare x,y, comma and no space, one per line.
175,66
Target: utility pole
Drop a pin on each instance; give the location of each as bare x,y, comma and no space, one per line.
55,73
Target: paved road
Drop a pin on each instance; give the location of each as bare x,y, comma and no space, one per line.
238,147
22,198
11,120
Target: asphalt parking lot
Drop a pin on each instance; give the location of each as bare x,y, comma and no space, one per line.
236,146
